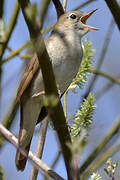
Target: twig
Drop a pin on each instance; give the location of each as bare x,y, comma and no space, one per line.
56,113
7,121
107,76
100,160
108,86
40,146
115,10
64,4
7,35
65,104
58,7
15,52
102,55
9,29
83,4
44,6
54,162
1,8
36,161
56,159
100,146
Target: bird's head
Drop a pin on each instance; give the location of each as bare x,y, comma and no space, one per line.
75,21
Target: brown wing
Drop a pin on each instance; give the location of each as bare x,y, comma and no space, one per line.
31,69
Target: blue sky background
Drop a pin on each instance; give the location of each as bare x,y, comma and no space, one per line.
108,106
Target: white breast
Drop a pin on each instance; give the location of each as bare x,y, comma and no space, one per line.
66,55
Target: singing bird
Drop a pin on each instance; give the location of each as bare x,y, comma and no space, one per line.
65,52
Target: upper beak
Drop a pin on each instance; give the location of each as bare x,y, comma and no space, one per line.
84,19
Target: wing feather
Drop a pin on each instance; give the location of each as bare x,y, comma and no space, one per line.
30,70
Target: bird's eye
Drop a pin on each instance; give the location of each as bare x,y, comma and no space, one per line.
73,16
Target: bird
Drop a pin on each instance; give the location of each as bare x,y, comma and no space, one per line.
65,51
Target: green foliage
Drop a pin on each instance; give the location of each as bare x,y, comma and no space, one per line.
86,64
95,176
111,168
83,117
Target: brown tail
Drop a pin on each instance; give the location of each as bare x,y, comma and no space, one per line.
20,160
29,113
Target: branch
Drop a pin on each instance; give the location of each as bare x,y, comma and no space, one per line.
64,4
100,146
7,121
15,52
1,8
56,113
83,4
58,7
44,6
115,10
104,89
9,29
36,161
40,146
57,157
107,76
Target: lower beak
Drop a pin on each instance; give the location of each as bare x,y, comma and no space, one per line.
84,19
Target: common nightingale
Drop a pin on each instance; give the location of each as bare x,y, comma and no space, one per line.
65,52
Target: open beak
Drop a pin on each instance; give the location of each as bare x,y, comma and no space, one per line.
84,19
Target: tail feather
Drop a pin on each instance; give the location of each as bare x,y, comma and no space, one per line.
20,160
29,112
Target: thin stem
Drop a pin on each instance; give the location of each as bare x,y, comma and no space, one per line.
7,121
58,7
36,161
100,146
40,146
107,87
1,8
7,35
15,52
9,29
64,4
44,6
83,4
65,104
107,76
54,162
115,10
56,159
